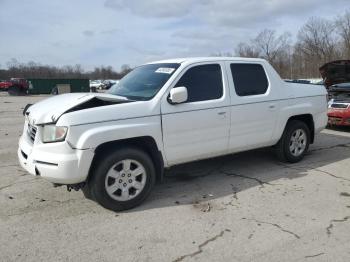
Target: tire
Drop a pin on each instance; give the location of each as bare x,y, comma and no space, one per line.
54,91
87,192
294,142
123,179
14,90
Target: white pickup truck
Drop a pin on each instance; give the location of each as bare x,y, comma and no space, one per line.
115,146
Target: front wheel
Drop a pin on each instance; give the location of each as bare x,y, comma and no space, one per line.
294,142
123,179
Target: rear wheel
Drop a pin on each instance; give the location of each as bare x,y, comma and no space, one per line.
294,143
123,179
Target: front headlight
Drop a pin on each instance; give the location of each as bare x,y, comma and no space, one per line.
52,133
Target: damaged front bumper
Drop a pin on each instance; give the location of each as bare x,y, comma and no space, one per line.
55,162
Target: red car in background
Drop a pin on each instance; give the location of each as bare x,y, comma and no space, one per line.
339,105
15,86
4,85
336,76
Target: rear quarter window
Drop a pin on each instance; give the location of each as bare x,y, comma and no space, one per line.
249,79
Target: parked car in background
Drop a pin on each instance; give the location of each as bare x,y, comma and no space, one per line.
336,76
108,83
96,84
4,85
339,105
15,86
319,83
115,146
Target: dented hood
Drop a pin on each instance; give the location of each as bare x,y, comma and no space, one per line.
335,72
50,110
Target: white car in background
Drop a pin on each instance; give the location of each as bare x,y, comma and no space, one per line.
108,83
115,146
96,84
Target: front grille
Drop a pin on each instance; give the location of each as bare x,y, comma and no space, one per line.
31,130
339,106
334,120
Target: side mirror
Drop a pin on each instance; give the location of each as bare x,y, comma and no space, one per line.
178,95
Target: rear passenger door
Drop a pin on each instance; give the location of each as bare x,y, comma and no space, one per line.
199,127
254,106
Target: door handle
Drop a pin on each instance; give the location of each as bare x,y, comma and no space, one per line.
272,107
222,115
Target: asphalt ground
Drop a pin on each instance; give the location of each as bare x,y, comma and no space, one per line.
242,207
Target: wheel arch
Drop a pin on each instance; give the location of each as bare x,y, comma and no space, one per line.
144,143
308,120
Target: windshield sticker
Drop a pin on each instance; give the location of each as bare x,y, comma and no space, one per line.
165,70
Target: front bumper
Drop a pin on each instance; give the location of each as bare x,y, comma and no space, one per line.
338,119
55,162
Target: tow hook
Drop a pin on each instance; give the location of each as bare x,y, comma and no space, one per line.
76,187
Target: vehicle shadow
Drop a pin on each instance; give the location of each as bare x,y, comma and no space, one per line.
201,181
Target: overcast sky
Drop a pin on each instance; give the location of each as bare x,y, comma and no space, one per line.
116,32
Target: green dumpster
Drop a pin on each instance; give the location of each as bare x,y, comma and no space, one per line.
45,86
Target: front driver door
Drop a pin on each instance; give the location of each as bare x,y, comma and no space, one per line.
198,128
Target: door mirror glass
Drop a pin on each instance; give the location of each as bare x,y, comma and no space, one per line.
178,95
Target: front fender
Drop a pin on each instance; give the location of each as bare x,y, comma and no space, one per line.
93,135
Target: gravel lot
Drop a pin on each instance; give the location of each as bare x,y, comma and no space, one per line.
243,207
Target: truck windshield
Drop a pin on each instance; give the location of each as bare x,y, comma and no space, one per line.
144,82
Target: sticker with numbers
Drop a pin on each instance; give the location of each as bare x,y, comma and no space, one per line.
165,70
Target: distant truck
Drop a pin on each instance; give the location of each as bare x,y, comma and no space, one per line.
15,86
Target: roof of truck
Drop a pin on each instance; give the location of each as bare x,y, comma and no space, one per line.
206,59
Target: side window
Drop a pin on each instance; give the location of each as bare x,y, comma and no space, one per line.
203,82
249,79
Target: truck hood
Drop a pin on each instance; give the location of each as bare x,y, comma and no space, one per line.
335,72
51,109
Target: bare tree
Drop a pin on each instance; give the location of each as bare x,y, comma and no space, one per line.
36,70
317,39
343,28
317,44
12,63
246,50
221,54
275,49
125,69
270,46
